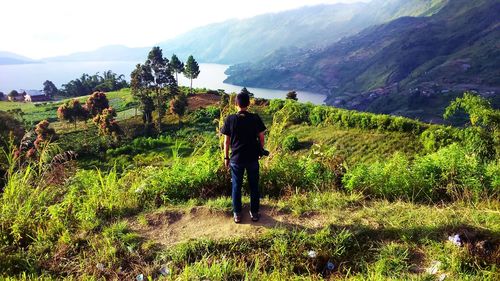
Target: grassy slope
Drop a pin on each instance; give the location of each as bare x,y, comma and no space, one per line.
365,239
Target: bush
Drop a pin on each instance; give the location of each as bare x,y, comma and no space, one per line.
391,179
436,137
290,143
275,105
449,173
284,174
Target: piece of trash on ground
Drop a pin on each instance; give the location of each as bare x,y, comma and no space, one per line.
164,270
312,254
434,267
140,277
100,266
330,266
455,239
442,277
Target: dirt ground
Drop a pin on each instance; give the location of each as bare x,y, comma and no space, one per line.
202,101
171,227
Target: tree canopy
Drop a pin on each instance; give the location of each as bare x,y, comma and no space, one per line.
153,85
49,88
177,66
191,70
86,84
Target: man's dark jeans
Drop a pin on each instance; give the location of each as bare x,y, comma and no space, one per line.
237,172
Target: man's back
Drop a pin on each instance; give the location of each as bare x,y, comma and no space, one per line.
243,128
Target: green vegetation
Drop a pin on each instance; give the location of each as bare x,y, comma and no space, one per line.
346,195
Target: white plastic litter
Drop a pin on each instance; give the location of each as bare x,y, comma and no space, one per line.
455,239
100,266
434,268
442,277
140,277
164,270
312,254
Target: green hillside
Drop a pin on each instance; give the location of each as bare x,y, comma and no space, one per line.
307,27
357,196
411,66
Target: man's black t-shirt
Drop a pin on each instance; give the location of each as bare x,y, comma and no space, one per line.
243,129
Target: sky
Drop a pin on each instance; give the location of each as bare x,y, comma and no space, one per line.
39,29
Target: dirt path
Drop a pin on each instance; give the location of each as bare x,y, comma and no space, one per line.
171,227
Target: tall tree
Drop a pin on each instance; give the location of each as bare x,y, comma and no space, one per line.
177,66
139,85
191,70
1,95
49,88
163,85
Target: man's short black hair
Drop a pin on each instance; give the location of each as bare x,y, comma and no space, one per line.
243,100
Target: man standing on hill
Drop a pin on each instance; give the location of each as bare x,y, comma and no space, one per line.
244,133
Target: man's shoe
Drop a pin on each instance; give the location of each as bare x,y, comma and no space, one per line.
254,216
237,217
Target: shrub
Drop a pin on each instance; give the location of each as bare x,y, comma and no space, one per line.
318,115
275,105
449,173
436,137
290,143
297,112
391,179
284,174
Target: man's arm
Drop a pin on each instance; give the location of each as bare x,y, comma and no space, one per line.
261,139
227,143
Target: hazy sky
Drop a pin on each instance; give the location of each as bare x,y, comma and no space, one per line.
38,29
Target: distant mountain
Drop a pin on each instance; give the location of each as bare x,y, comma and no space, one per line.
107,53
411,66
236,41
12,58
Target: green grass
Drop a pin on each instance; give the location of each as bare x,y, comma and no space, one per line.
35,112
357,146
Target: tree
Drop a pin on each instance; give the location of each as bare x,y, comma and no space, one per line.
49,88
483,137
44,134
140,91
163,84
191,70
178,106
1,95
72,111
107,124
292,95
96,103
177,66
153,85
246,91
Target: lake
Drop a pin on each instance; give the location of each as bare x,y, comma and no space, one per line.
32,76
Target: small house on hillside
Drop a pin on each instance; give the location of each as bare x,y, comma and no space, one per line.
35,96
17,96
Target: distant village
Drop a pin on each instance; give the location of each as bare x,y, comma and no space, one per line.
25,96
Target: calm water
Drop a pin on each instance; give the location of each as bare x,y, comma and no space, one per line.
32,76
